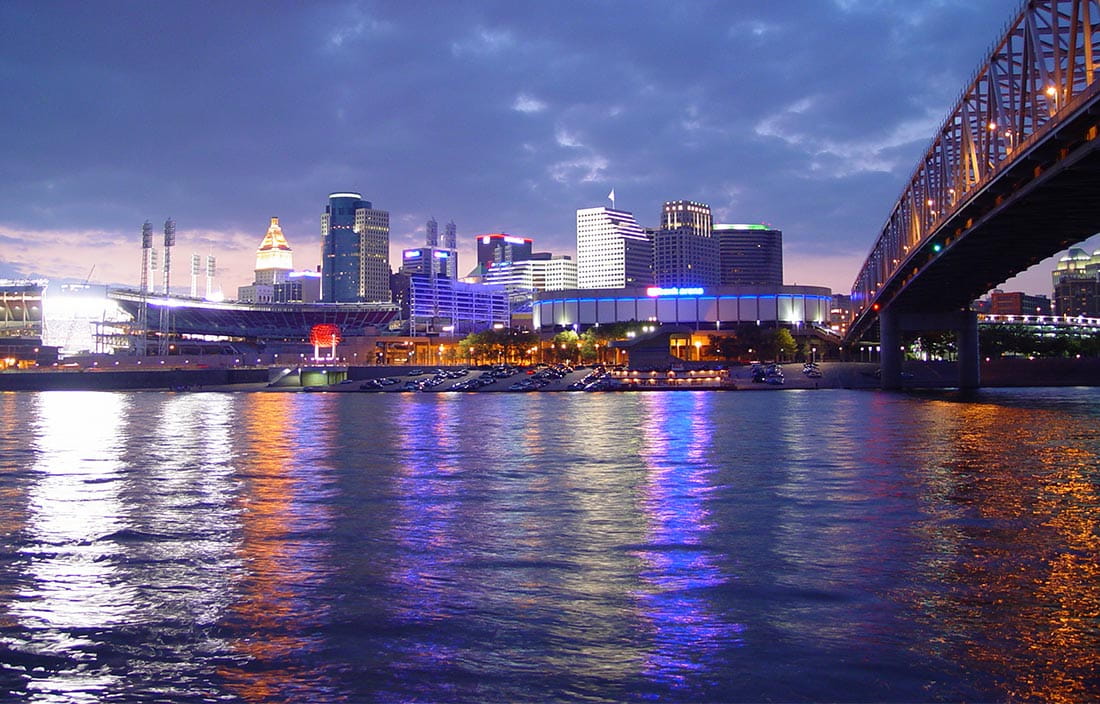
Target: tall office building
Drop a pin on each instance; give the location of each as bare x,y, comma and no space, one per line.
355,243
685,251
751,255
612,250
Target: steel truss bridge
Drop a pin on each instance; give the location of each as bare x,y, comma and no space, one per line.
1011,178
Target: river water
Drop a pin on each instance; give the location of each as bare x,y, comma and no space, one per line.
683,546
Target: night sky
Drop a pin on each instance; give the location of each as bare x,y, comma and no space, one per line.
505,117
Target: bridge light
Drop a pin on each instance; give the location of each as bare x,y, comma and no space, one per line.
874,307
992,126
937,247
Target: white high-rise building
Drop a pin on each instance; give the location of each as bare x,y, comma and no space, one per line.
613,251
549,274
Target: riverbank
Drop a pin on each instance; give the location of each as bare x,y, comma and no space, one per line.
834,375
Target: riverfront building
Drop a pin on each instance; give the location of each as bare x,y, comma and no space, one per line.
21,325
436,304
355,244
697,307
612,250
751,255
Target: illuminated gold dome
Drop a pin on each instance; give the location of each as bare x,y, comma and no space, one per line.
274,252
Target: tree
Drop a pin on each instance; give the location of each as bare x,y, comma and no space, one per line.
784,343
565,344
726,346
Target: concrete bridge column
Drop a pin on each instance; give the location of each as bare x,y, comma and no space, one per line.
969,355
889,349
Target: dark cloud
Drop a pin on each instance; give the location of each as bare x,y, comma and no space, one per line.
500,115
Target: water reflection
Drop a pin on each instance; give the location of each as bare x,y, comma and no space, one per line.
70,586
275,622
1017,546
680,563
599,547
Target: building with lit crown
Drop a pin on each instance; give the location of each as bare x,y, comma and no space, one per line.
1077,283
685,252
274,262
613,250
750,255
355,244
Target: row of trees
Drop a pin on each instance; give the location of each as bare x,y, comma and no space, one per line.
1009,341
510,345
754,342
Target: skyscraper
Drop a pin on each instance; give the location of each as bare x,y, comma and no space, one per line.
685,252
751,255
355,243
612,250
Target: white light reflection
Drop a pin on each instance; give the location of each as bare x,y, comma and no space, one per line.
70,585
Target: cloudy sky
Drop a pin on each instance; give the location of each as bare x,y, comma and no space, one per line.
503,116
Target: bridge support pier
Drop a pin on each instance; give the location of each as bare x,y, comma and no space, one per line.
889,349
969,355
963,323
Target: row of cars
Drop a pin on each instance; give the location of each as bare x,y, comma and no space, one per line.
767,374
772,373
533,379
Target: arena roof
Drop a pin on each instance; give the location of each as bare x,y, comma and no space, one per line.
191,316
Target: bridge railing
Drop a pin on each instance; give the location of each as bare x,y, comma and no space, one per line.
1077,321
1047,62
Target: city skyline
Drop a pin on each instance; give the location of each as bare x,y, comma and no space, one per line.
501,118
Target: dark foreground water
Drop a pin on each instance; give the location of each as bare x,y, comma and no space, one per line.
691,546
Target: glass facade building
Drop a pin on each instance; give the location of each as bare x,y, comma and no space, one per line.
436,304
355,243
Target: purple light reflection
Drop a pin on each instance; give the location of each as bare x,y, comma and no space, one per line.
679,566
